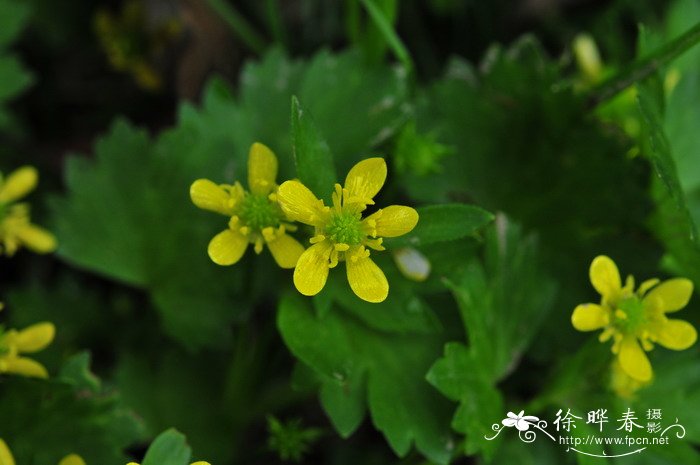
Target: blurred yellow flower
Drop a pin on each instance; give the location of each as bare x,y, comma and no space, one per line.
342,235
16,230
256,218
13,343
623,384
6,457
134,41
633,318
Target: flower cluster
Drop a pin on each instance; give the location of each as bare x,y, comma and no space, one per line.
15,226
635,320
265,214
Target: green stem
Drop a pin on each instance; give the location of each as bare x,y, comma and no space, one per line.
392,39
644,67
352,21
274,16
239,25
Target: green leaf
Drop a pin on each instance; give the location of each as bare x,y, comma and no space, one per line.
118,219
14,77
498,336
15,14
355,106
651,106
76,371
355,362
672,222
44,421
313,158
440,223
402,312
169,448
459,376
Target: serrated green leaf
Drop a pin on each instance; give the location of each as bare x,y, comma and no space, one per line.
487,295
313,158
127,215
44,421
169,448
441,223
461,378
348,356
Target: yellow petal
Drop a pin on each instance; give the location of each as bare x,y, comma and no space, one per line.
311,272
633,359
299,203
589,317
72,459
5,454
262,169
412,264
200,463
24,366
392,221
604,276
672,294
36,239
677,335
227,247
35,337
210,196
285,250
18,184
623,384
646,285
366,179
366,279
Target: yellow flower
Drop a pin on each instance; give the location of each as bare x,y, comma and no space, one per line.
13,343
341,233
15,228
256,218
623,384
633,318
6,457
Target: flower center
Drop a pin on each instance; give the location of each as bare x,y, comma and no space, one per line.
345,228
629,315
258,212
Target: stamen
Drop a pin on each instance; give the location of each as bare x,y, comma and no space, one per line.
258,245
269,234
338,198
318,238
375,244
